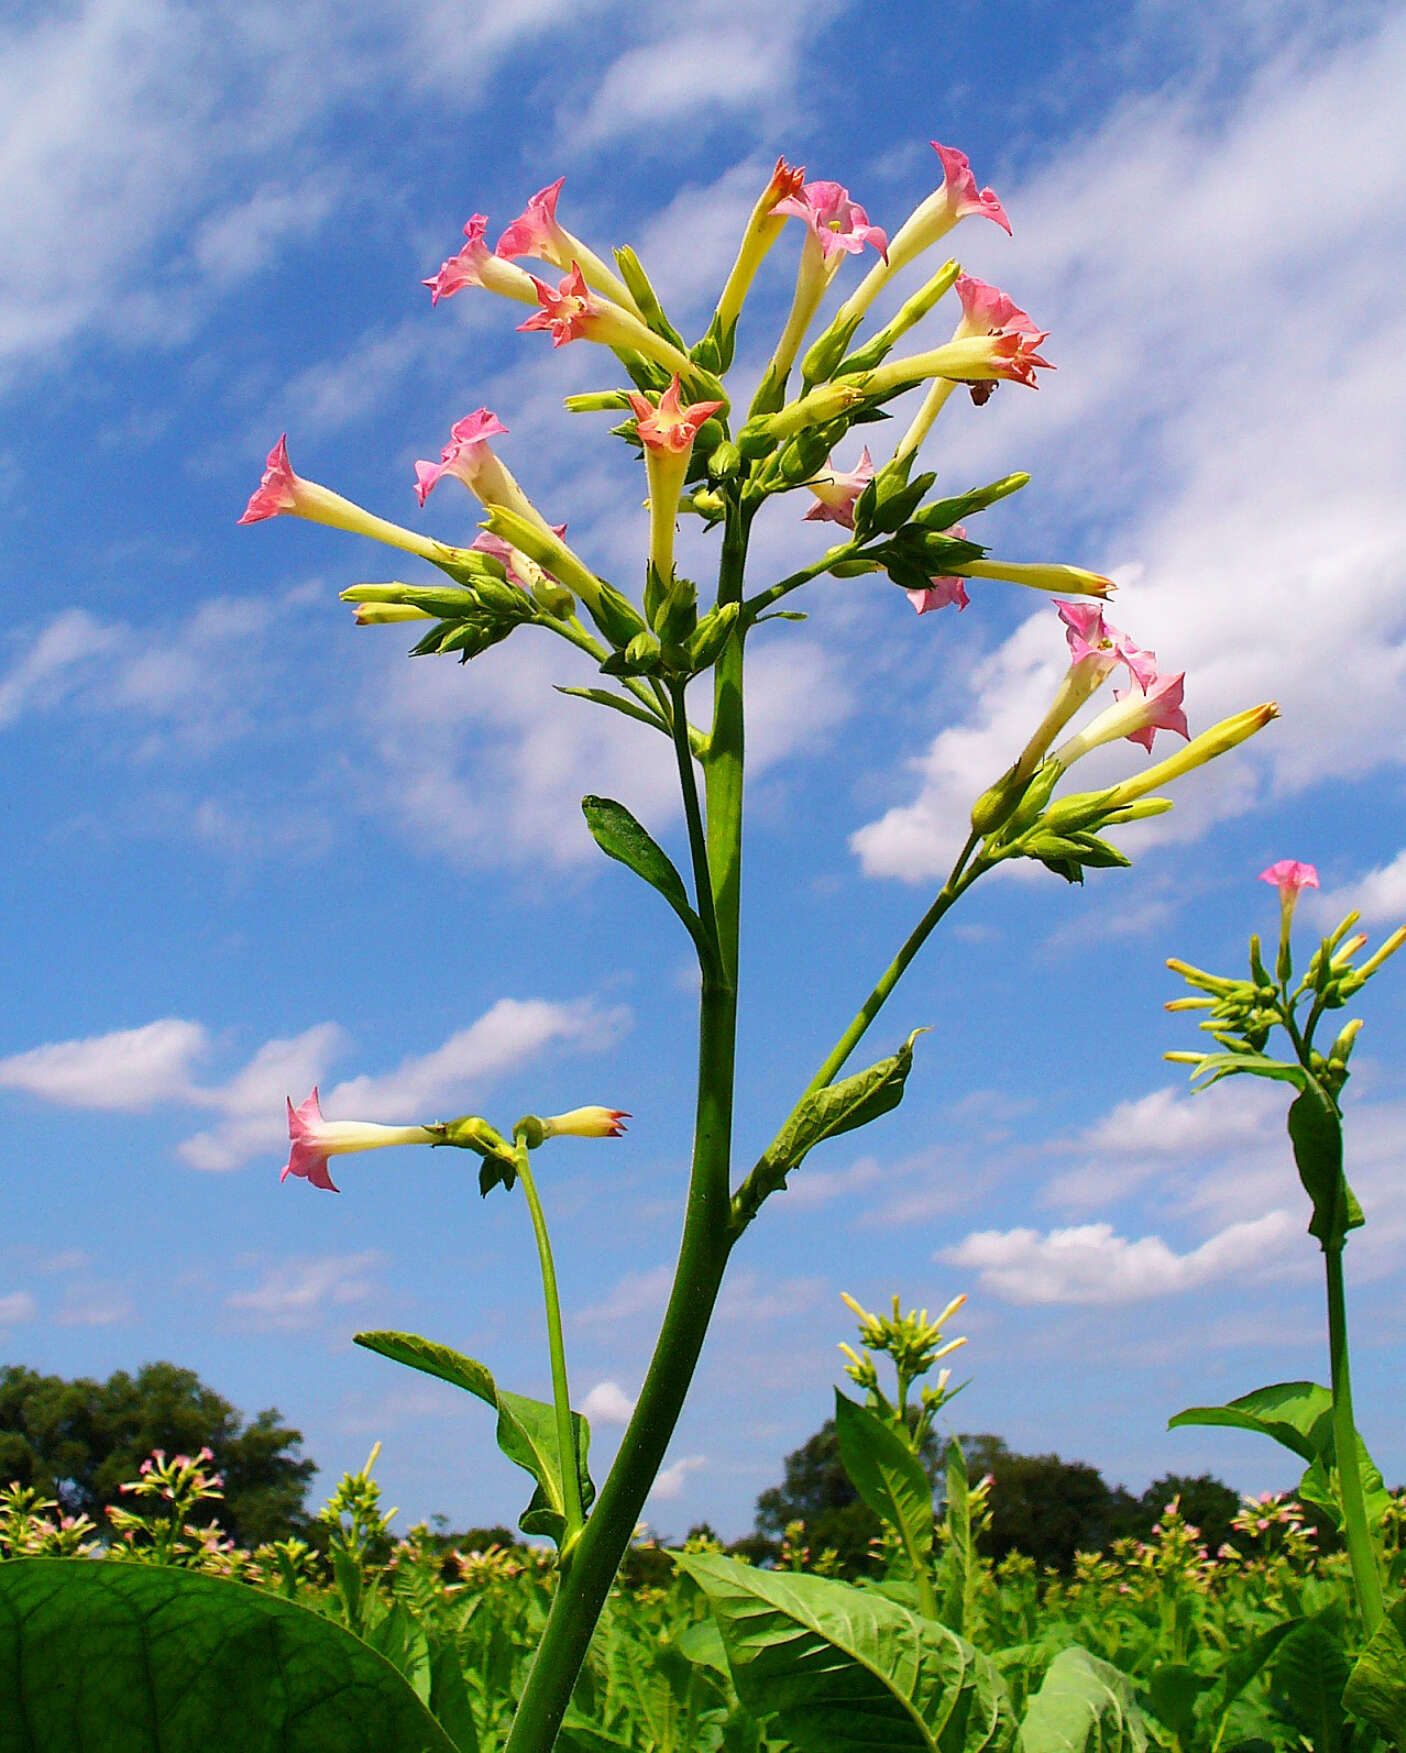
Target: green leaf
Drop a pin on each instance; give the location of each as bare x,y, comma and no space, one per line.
622,838
449,1696
118,1658
1298,1415
840,1669
527,1430
405,1644
616,702
1316,1132
960,1564
943,513
1376,1687
888,1476
1307,1680
839,1107
1173,1689
1083,1706
1244,1663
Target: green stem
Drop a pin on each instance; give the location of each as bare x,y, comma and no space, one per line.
958,882
561,1393
774,593
1365,1576
575,634
703,1248
697,832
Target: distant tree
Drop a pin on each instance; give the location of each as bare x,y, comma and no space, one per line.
816,1492
77,1441
1043,1506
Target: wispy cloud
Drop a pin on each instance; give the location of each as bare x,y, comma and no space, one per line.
127,1069
16,1307
669,1483
296,1293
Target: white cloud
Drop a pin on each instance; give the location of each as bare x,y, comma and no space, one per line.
97,1303
1379,896
128,1069
669,1485
52,663
1194,335
608,1403
637,1293
253,1102
1090,1264
294,1293
17,1306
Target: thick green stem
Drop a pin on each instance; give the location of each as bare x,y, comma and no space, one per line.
561,1392
1357,1535
703,1249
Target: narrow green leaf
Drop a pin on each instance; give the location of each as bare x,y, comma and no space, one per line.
616,702
1242,1666
404,1642
960,1565
888,1476
839,1669
1084,1706
621,837
943,513
839,1107
124,1658
433,1359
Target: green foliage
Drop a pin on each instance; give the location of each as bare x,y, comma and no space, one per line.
622,838
132,1659
837,1669
1084,1706
527,1431
77,1441
1043,1506
889,1476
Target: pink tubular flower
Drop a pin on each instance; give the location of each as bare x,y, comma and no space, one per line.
567,312
959,193
1289,876
1162,698
315,1139
476,265
836,491
1093,641
586,1123
279,490
520,567
837,223
465,456
939,594
670,426
535,232
989,312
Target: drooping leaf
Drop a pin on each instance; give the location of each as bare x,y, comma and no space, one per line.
621,837
839,1669
1316,1132
1298,1415
527,1429
839,1107
1084,1705
117,1658
888,1476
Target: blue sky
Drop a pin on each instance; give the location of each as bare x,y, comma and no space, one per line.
253,847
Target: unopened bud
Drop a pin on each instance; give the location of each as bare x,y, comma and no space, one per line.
585,1123
724,461
384,614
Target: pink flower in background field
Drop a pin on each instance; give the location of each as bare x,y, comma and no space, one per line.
836,491
837,223
670,426
1289,876
315,1139
278,491
959,193
464,456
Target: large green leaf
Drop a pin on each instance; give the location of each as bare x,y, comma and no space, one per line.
1299,1415
1083,1706
960,1565
1376,1687
1244,1662
527,1429
1316,1133
97,1657
1307,1680
888,1476
621,837
839,1669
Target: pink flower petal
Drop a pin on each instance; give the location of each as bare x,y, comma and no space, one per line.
962,191
1290,874
533,228
277,491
